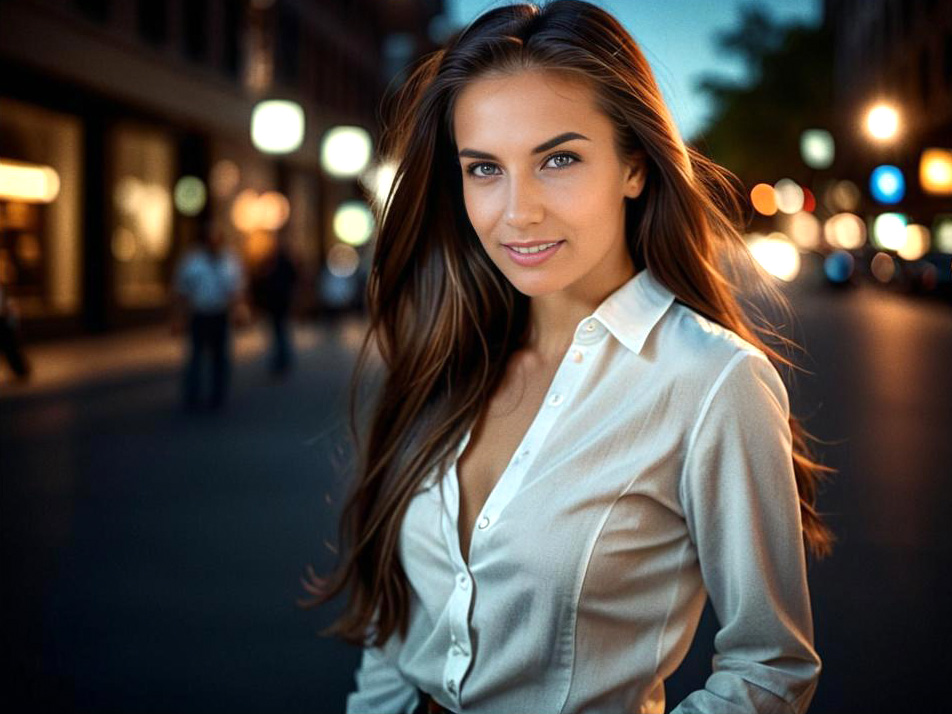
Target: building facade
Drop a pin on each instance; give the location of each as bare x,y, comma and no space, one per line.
105,106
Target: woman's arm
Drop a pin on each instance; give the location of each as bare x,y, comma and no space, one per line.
742,509
381,688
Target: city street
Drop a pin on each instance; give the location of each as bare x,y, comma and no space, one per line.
151,557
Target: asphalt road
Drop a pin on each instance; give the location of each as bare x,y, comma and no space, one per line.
151,557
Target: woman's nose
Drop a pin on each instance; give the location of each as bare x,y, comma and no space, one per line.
525,204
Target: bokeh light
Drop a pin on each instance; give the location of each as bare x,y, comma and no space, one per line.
916,243
845,230
817,148
353,222
274,209
838,266
268,211
342,260
887,184
842,196
935,171
776,254
789,196
889,230
883,267
882,122
809,200
763,199
942,233
190,195
345,151
804,229
277,126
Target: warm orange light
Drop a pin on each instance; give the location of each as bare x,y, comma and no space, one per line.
28,182
764,199
268,211
935,171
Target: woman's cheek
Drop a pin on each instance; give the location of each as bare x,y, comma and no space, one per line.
479,211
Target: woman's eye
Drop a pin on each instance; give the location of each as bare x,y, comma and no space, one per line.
567,160
564,156
472,170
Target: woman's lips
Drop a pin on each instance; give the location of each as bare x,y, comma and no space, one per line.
533,259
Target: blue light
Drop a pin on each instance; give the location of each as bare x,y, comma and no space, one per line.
887,184
838,266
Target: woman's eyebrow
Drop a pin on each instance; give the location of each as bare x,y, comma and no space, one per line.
544,146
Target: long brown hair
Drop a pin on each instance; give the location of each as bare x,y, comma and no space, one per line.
446,321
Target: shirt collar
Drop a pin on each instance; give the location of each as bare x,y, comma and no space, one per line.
634,308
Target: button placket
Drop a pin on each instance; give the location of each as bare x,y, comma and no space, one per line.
565,382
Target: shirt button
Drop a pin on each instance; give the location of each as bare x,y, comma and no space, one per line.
451,686
576,355
463,581
483,522
555,399
589,332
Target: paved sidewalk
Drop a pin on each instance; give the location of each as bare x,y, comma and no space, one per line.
146,350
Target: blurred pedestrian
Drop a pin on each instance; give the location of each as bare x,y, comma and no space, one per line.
278,283
10,334
208,285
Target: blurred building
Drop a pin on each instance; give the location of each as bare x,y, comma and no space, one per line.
898,52
106,105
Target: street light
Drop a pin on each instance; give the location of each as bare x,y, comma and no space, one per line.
882,122
277,126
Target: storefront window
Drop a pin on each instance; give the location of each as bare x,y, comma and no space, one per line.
40,219
141,237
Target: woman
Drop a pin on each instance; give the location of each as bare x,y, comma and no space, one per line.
575,442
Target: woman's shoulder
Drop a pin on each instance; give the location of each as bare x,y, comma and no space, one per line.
696,347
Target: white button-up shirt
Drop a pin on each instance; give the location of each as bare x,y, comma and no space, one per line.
656,472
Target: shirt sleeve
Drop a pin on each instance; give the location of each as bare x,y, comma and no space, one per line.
381,687
742,510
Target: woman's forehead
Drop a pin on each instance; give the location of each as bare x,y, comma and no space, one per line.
528,107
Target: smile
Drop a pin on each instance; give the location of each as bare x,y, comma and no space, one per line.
534,255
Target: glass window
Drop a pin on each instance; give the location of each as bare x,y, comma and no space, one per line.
40,218
141,235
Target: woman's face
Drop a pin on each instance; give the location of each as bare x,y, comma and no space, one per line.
539,165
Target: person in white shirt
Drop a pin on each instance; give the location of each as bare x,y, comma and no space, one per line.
207,284
580,435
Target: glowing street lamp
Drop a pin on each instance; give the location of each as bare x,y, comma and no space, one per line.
277,126
882,122
345,151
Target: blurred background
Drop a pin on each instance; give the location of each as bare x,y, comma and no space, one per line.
151,554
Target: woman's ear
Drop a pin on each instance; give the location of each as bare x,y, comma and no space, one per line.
637,172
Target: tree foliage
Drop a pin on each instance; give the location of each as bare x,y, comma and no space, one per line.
755,127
